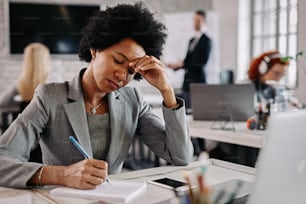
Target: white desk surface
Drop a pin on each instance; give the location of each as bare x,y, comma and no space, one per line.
217,172
242,135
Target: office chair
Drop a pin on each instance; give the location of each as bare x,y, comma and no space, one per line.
140,156
8,115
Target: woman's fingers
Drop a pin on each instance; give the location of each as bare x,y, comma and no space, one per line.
146,63
93,180
86,174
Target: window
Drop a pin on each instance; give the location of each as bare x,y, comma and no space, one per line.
274,27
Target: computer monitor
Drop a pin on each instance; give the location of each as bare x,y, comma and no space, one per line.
213,102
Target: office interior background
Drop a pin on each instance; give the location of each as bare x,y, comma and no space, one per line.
241,29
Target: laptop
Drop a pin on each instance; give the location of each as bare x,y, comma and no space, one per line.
222,101
281,176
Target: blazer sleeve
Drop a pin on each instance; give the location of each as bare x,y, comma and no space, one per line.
17,142
168,139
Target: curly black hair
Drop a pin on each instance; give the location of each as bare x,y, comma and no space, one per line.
109,27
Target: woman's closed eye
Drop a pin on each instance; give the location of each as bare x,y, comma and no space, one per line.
117,61
130,70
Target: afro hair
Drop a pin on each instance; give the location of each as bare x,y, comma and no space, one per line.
109,27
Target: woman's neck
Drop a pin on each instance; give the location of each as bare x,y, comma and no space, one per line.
91,92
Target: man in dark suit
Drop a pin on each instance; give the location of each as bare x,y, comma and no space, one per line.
199,48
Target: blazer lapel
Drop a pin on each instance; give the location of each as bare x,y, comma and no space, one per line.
76,114
75,111
117,125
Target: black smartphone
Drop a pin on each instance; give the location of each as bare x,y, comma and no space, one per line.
171,184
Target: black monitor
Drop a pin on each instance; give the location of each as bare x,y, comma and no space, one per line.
222,101
57,26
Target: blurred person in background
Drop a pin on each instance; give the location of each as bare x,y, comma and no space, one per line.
266,72
35,71
199,48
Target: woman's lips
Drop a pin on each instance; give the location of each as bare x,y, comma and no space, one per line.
113,84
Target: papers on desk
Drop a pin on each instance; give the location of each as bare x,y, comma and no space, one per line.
25,199
114,191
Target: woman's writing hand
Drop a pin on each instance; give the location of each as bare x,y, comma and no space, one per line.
86,174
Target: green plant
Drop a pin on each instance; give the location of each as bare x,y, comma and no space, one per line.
298,55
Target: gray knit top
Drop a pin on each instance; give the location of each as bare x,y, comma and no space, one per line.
99,131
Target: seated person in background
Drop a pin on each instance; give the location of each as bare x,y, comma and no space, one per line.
119,43
265,72
36,68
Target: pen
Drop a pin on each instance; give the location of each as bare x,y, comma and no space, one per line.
79,147
82,150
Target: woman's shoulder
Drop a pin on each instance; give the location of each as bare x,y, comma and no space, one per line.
127,91
129,94
53,85
53,88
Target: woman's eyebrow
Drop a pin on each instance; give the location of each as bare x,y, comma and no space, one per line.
119,53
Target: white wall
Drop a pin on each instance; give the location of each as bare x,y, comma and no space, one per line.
228,29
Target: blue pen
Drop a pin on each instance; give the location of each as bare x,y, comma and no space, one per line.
79,147
82,150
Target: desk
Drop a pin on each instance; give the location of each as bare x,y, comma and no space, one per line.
242,135
241,146
217,172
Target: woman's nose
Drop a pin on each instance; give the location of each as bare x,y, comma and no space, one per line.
121,75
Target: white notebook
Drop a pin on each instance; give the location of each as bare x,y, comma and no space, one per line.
114,191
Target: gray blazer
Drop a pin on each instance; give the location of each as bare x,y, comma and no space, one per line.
57,111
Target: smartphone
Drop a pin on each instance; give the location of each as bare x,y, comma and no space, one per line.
176,185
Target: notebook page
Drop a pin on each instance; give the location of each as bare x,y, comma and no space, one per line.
114,191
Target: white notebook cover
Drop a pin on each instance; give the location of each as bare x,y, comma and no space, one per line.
114,191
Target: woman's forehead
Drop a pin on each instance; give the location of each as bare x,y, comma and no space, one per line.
129,48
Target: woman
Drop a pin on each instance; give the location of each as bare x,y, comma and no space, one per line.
268,67
266,71
36,68
120,43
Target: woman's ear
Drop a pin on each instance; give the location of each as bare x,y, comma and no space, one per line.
93,53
